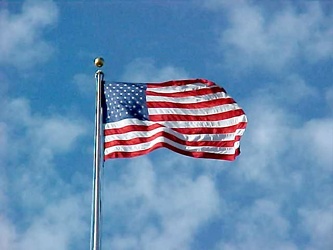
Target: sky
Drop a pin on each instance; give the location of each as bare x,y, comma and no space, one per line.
275,58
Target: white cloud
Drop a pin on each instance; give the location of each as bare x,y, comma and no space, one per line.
287,158
85,83
278,131
256,36
145,70
264,141
59,225
52,218
7,234
260,226
42,135
21,35
3,140
58,134
158,213
293,90
318,224
315,142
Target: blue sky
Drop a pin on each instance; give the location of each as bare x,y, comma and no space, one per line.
274,58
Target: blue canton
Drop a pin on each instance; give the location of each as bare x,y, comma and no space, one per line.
124,100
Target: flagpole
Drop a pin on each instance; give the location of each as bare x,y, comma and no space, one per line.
95,241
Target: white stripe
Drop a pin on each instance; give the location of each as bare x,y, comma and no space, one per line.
183,88
186,137
187,99
206,124
147,145
179,124
201,111
127,122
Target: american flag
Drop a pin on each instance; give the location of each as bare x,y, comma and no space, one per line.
192,117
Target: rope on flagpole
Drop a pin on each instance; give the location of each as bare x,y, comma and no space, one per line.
95,241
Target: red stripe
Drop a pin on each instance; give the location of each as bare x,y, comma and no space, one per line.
198,92
181,83
163,134
204,104
214,117
163,144
130,128
191,131
205,130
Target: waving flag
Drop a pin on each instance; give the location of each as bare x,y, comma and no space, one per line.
192,117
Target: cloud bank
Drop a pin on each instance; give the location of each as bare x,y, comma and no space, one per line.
21,35
274,39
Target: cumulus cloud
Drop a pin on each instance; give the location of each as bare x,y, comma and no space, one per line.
60,225
29,143
38,208
252,232
314,141
290,160
274,39
158,213
84,83
21,35
318,224
7,234
146,70
54,134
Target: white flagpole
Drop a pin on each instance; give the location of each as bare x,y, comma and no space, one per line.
95,241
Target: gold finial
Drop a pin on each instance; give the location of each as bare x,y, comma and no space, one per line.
99,62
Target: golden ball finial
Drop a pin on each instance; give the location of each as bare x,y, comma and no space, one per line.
99,62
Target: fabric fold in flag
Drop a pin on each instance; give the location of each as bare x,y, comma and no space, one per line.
193,117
